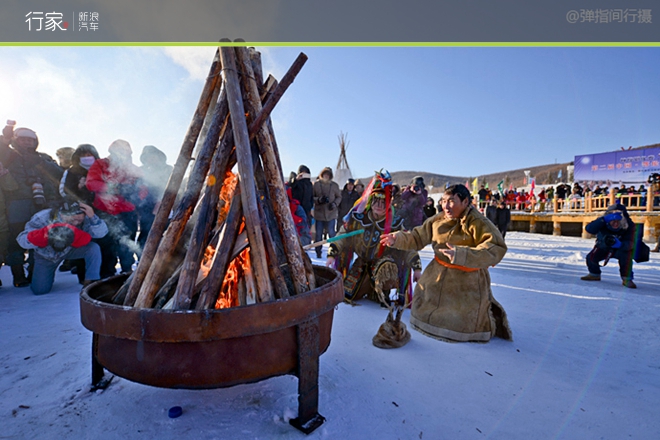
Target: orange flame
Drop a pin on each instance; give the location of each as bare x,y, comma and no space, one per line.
236,271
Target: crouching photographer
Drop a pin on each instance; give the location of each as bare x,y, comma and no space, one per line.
615,238
63,233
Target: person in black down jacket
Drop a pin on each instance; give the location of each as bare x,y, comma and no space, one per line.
302,190
615,238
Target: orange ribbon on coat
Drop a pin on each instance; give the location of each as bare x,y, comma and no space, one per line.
455,266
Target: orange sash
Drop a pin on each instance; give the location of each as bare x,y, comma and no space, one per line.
455,266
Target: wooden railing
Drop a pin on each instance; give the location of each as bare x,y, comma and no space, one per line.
648,202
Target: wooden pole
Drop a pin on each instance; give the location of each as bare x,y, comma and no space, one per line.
246,174
174,182
199,239
223,255
184,210
273,178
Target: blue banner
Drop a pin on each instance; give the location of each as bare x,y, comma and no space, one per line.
625,166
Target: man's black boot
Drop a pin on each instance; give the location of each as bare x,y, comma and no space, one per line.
18,272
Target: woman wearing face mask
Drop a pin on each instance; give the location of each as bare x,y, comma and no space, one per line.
72,187
74,178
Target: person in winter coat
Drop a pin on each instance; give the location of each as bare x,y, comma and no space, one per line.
72,187
155,174
371,215
348,198
115,182
453,299
7,184
303,191
502,218
299,218
429,208
63,233
491,212
413,199
327,198
37,176
615,238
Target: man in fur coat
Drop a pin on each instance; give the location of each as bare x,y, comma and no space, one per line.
615,238
453,300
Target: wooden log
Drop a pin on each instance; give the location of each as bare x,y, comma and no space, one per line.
274,270
255,59
223,255
246,174
203,226
251,292
184,209
274,180
167,291
174,182
242,292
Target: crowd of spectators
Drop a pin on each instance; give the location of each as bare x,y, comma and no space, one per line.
81,212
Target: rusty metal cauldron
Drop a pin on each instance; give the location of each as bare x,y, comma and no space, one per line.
215,348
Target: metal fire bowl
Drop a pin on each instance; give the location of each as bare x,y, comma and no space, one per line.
209,348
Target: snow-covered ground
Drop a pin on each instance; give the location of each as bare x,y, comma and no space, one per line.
584,364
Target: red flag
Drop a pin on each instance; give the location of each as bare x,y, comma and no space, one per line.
533,179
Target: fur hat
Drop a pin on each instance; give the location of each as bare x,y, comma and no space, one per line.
419,181
120,147
326,170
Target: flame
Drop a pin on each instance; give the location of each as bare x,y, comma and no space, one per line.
207,262
226,193
237,270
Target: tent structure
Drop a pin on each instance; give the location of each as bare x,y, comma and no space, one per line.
343,170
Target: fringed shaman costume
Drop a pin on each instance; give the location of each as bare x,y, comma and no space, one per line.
359,277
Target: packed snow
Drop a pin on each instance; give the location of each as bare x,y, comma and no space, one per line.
584,364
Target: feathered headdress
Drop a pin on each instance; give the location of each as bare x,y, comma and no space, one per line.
380,186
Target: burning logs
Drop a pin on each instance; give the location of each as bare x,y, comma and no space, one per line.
218,269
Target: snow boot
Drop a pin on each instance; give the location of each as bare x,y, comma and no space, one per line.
629,284
18,272
591,277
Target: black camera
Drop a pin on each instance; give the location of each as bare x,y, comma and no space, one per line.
60,237
610,240
654,178
415,188
323,200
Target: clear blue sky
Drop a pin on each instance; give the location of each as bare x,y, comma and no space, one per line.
456,111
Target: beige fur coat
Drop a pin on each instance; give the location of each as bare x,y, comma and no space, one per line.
450,303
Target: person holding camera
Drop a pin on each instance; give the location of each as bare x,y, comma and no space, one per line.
37,176
327,198
413,200
63,233
615,238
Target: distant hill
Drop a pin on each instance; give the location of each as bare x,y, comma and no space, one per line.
544,174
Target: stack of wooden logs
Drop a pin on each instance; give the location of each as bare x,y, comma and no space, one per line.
224,218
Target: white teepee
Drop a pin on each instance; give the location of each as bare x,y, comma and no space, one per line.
343,170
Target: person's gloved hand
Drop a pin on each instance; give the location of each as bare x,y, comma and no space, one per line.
332,206
612,242
613,216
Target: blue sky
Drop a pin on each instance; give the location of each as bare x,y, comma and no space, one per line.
457,111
